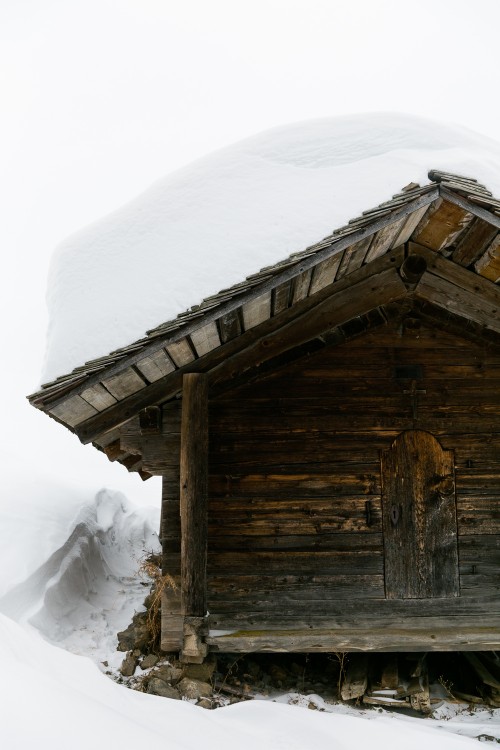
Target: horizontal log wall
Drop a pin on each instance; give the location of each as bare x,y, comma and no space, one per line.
294,490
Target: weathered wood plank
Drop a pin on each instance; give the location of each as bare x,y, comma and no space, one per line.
325,272
452,638
412,222
462,302
281,297
475,240
73,411
488,265
124,384
403,614
156,366
170,535
193,494
181,353
306,484
357,562
456,274
205,339
98,397
356,677
354,257
301,286
229,326
441,225
384,240
320,542
256,311
471,207
243,592
419,516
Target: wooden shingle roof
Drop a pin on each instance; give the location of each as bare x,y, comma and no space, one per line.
453,217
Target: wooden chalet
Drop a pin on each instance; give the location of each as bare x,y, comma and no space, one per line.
328,433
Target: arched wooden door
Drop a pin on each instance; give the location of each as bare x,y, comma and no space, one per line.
419,518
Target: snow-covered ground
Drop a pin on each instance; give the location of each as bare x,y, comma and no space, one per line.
59,624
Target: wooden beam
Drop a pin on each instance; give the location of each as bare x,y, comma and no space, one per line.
172,621
387,638
467,280
458,290
459,301
194,494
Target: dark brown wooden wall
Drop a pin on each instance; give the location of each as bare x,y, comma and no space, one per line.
294,491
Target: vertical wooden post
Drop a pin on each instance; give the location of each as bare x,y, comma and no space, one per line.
194,494
172,620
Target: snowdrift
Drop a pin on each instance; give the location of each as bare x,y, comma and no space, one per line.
86,591
71,704
88,588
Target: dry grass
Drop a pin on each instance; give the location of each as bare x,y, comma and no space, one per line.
150,568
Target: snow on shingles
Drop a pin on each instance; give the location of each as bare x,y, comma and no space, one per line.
226,216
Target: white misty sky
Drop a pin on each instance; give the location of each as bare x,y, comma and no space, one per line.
98,98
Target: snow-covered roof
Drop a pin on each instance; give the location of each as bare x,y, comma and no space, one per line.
455,217
209,225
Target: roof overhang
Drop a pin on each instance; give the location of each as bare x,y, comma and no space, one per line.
452,225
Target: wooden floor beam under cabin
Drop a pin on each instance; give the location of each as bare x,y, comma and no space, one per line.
194,513
427,635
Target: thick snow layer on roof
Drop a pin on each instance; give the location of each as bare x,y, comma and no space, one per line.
210,224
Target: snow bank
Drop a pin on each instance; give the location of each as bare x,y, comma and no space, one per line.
88,588
223,217
53,699
82,594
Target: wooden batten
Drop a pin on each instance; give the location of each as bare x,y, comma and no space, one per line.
194,494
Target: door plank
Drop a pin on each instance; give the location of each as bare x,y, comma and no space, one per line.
419,518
